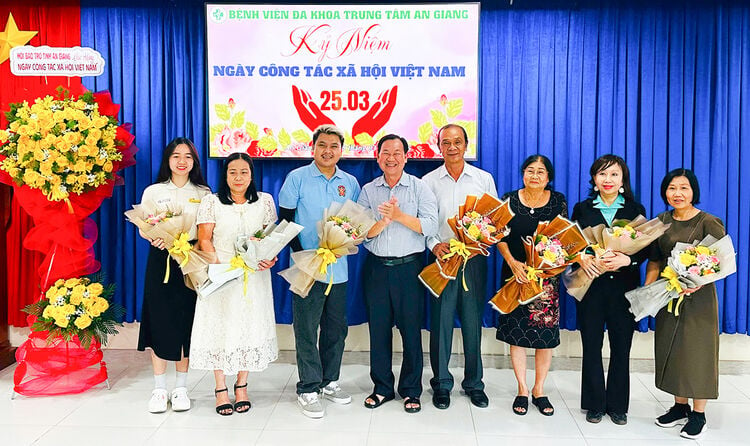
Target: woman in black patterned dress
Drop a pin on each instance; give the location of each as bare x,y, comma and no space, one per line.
537,324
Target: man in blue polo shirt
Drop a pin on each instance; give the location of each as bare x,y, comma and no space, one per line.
305,194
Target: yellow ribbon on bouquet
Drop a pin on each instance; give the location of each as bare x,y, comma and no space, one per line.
181,246
532,275
459,249
673,285
329,258
238,262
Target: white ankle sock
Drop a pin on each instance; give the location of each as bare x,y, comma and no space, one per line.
181,380
160,381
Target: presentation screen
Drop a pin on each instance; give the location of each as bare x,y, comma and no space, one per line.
276,72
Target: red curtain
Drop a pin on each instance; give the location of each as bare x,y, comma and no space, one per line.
58,25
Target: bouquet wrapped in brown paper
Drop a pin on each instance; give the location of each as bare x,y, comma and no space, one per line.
173,226
553,247
627,237
479,224
343,228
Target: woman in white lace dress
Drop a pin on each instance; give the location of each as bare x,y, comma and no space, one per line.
234,332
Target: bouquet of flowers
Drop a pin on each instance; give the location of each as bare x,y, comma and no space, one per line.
172,226
690,265
344,226
627,237
479,224
553,247
60,146
77,307
263,245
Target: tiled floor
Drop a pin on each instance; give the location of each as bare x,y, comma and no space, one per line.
118,416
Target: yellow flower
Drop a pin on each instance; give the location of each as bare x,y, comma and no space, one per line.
95,289
101,304
68,309
70,283
96,133
100,121
91,141
71,138
550,256
83,321
47,312
702,250
617,232
108,167
61,322
474,232
23,130
51,294
77,294
4,135
687,259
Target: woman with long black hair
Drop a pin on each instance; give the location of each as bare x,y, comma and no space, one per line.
168,308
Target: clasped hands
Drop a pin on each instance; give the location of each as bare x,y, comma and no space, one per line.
609,261
390,211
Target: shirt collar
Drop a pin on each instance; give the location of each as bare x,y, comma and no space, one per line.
617,204
403,181
467,170
315,172
171,186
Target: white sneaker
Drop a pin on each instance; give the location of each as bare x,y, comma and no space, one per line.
310,405
158,401
179,399
334,393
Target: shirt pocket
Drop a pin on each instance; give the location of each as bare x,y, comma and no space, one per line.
409,205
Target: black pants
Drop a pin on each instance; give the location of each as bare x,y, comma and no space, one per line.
393,294
470,305
605,303
318,367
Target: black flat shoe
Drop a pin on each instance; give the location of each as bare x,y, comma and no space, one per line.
593,416
542,403
521,405
478,398
620,419
241,406
441,398
378,401
413,400
222,410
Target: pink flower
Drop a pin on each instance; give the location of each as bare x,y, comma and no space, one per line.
694,270
231,141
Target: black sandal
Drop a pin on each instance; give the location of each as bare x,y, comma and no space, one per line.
412,400
521,402
241,406
224,407
378,401
543,403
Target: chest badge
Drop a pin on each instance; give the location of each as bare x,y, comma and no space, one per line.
342,191
194,200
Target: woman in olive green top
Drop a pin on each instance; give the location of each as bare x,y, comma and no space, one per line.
686,346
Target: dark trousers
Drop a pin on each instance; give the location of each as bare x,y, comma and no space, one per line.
317,368
393,294
605,303
470,305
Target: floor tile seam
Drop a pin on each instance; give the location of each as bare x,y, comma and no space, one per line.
49,428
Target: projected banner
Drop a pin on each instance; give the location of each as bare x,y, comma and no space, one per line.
276,72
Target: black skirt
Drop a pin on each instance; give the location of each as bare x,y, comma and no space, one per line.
168,309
